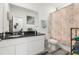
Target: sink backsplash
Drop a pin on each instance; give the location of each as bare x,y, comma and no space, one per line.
29,33
20,33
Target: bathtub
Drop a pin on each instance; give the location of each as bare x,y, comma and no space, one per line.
65,47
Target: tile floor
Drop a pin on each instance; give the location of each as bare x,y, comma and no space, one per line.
57,52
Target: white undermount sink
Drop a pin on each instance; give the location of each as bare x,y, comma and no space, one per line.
15,35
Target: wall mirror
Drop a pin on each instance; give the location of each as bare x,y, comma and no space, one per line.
17,23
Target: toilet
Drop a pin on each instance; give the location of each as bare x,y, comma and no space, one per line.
52,45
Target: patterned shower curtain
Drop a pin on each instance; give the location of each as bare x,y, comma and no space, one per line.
60,23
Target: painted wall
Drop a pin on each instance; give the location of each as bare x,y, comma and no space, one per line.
43,10
46,9
1,17
22,13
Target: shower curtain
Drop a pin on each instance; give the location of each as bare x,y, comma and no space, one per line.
61,21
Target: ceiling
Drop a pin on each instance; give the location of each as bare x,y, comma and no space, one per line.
54,5
42,7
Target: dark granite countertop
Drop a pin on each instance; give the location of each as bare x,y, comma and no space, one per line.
8,37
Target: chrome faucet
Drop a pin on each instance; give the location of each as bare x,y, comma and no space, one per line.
35,32
3,34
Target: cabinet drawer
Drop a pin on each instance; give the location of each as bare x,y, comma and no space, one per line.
9,50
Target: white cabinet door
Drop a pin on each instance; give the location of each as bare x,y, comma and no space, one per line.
32,46
21,49
10,50
36,46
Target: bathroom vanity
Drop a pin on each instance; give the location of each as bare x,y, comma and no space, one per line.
18,19
25,45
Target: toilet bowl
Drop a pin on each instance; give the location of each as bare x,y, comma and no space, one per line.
52,45
52,41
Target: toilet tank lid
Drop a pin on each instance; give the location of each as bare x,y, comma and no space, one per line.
52,41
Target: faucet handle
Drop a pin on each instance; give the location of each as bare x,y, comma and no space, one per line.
22,33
